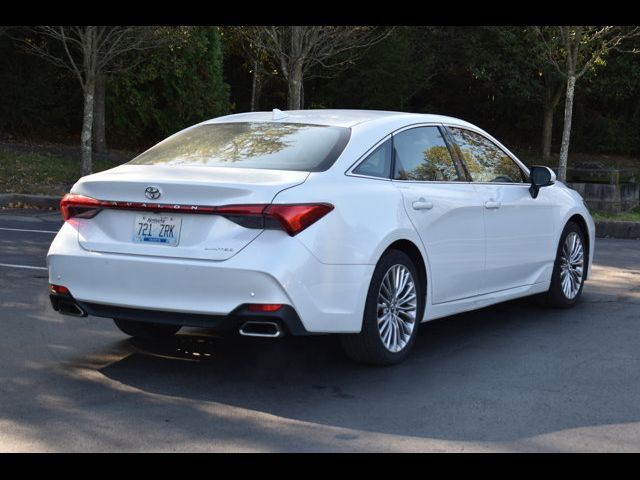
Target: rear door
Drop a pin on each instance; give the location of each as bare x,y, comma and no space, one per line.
445,210
519,234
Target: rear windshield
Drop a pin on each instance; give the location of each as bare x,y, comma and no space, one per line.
277,146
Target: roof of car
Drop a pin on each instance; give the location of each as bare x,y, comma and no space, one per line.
338,118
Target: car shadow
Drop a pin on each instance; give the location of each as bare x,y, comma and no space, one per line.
510,371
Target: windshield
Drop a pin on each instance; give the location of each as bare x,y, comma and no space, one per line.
277,146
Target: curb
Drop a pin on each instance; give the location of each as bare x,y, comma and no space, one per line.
40,201
617,229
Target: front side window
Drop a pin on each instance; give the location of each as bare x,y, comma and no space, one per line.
277,146
378,163
421,154
485,161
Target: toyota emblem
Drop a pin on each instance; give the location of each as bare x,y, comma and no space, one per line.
152,193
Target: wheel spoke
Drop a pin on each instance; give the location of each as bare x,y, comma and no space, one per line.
406,308
571,265
407,299
397,307
383,319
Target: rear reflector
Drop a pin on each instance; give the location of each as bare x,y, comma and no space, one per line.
291,218
59,289
264,307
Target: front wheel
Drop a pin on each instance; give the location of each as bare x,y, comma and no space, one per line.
569,269
145,330
393,310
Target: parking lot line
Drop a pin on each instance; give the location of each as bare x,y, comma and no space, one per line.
28,267
26,230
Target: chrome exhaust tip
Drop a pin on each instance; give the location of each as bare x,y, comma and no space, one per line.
67,307
261,329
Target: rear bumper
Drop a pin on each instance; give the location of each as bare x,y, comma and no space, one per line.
286,316
274,268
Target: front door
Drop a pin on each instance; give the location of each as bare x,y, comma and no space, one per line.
518,232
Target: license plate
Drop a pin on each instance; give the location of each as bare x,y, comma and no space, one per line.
157,229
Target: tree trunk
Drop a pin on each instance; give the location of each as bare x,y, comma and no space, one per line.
295,71
552,97
566,131
547,132
295,86
99,140
87,126
255,86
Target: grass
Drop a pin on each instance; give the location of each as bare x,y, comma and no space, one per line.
630,216
44,174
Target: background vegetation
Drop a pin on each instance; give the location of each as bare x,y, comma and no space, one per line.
491,76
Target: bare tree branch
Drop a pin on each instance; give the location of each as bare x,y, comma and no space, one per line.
299,49
89,52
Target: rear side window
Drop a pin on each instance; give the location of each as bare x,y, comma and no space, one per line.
277,146
421,154
485,161
378,163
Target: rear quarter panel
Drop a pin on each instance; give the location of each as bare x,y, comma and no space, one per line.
368,216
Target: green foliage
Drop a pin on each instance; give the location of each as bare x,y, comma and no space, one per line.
180,84
608,110
489,75
38,100
630,216
387,77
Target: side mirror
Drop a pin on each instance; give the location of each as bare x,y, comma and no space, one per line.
540,177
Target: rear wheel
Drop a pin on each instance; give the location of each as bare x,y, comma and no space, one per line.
148,331
393,310
569,269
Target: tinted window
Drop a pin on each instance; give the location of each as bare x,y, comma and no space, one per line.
378,163
485,161
279,146
422,154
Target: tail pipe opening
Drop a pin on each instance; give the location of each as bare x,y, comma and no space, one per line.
63,302
261,329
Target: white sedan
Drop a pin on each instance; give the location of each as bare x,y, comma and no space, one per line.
357,223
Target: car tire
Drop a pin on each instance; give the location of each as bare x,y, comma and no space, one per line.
569,269
390,321
145,330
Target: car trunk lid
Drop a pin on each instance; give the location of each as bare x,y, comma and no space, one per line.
203,236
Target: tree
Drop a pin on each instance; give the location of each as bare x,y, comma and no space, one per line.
99,133
488,74
389,76
574,50
180,83
552,93
239,40
297,49
89,52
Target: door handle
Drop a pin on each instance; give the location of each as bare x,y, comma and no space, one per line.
492,205
422,204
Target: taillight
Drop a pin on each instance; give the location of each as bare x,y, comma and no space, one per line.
248,216
79,206
295,218
291,218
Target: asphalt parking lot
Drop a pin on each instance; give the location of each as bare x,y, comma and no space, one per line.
513,377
